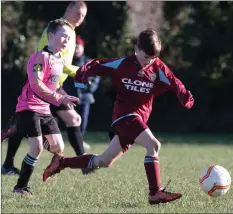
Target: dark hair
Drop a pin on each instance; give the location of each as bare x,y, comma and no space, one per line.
149,42
54,25
82,4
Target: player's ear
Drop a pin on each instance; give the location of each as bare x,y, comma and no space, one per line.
136,49
50,36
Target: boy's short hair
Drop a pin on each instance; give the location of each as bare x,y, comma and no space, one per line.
54,25
82,4
149,42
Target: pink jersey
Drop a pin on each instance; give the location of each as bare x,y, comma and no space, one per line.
44,71
136,87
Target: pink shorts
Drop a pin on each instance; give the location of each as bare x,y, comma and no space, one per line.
128,130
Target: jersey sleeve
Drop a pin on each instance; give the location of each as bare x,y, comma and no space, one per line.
97,67
68,55
36,70
175,85
70,70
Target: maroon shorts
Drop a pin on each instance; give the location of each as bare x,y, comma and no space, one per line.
127,130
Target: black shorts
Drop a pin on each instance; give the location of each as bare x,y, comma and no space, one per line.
34,124
54,109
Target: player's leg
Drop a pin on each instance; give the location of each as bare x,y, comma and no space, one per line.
49,127
110,155
46,144
45,141
152,168
106,159
30,123
84,113
14,141
151,162
73,120
28,165
12,147
52,134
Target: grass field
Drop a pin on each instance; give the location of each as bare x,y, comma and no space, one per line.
123,187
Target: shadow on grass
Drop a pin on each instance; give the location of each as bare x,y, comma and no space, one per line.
176,138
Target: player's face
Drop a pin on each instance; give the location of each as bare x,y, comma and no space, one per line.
79,50
60,40
143,58
76,14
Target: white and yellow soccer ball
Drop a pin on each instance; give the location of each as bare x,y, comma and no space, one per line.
215,180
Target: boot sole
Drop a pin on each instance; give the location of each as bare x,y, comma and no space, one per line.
163,201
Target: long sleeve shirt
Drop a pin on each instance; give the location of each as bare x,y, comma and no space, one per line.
135,87
44,72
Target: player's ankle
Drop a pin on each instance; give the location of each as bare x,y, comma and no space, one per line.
8,166
154,192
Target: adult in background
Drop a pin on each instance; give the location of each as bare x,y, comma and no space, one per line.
86,95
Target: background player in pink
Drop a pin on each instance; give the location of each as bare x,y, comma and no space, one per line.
137,79
44,70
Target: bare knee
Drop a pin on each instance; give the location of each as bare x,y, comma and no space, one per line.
58,149
74,121
40,149
153,147
157,144
36,150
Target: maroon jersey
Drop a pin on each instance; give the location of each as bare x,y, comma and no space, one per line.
135,86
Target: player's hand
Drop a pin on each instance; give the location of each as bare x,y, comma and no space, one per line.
190,102
186,99
70,101
88,85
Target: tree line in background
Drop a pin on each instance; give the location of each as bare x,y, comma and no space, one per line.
197,45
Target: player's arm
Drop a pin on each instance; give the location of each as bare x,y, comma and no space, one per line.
68,55
96,67
174,84
70,70
36,70
61,91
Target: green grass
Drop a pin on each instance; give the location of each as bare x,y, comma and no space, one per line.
123,187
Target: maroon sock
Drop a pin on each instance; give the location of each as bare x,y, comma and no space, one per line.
78,162
153,173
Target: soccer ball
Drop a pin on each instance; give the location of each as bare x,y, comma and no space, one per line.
215,180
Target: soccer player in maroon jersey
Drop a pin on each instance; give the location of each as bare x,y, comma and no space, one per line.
137,80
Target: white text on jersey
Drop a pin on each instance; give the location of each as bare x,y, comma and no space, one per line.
137,85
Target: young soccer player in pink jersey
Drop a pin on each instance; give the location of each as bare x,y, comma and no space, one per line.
74,14
44,70
137,79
